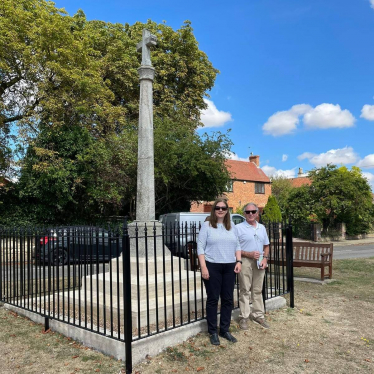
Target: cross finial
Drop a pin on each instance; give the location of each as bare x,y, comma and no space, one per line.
148,40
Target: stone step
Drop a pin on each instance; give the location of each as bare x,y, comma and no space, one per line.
150,265
99,281
146,311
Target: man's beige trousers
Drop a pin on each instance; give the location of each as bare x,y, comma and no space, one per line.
251,280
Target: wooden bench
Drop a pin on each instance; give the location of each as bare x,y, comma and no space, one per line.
192,254
305,254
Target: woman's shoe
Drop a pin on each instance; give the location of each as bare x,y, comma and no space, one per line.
228,336
214,339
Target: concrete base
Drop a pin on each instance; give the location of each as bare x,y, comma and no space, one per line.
151,346
313,280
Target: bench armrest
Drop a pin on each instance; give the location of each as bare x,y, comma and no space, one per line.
326,258
326,254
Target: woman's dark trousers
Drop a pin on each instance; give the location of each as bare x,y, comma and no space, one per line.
220,284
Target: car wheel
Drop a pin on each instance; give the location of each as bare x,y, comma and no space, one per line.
60,257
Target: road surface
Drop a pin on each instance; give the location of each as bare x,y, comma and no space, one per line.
353,251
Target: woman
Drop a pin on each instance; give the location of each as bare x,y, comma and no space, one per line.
219,255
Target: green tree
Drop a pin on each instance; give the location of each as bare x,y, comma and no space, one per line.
60,69
271,211
240,210
63,77
342,195
48,70
188,167
300,204
281,188
69,175
51,187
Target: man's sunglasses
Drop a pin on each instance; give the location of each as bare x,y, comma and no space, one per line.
220,208
251,211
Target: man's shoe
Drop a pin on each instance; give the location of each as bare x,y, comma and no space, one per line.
214,339
261,322
228,336
243,324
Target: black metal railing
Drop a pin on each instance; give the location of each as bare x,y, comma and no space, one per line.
125,282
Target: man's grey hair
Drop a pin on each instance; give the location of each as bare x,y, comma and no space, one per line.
245,207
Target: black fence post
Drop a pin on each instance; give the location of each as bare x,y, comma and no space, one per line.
264,287
127,296
46,324
1,265
289,260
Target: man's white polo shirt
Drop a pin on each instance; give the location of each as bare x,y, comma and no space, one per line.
252,238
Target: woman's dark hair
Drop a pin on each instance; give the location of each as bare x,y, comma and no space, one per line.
213,217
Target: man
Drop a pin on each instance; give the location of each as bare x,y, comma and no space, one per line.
254,243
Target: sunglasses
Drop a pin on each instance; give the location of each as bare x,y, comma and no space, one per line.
251,211
220,208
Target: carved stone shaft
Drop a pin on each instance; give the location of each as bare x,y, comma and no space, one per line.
145,202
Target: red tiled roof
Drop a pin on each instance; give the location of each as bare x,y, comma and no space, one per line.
246,171
300,181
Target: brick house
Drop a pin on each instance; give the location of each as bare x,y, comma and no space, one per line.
248,184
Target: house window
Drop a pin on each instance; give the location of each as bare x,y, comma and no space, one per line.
229,186
259,187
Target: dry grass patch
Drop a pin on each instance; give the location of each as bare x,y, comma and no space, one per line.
27,348
330,330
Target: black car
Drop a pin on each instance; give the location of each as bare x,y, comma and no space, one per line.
65,245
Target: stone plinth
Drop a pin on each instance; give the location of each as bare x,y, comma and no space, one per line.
143,242
158,285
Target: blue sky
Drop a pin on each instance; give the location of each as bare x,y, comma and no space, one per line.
296,82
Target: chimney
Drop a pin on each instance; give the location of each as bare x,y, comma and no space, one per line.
300,173
255,160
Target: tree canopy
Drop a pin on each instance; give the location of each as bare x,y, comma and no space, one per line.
59,69
281,188
342,195
70,89
336,195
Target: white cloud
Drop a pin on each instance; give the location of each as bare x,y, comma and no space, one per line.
271,171
367,111
284,157
212,117
301,109
285,122
367,161
325,116
370,178
344,155
234,156
372,3
306,155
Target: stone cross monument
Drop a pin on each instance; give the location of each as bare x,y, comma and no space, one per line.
156,281
145,200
